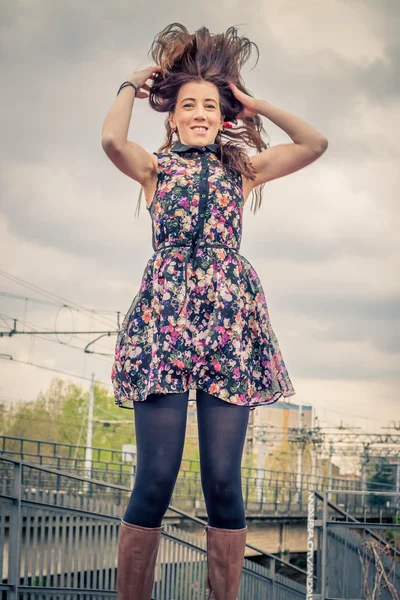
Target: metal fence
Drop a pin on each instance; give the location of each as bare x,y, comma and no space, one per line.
260,498
64,545
355,559
113,463
265,491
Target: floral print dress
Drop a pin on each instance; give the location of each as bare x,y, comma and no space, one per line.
200,318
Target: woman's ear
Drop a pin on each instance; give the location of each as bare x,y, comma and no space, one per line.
171,120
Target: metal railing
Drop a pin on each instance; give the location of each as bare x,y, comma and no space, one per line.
65,545
265,491
111,460
355,559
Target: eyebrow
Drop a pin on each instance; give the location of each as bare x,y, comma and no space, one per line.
194,99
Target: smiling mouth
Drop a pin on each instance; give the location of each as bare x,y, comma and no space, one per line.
199,129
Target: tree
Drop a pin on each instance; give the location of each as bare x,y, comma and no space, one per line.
381,480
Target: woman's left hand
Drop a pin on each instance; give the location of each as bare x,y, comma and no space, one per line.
249,103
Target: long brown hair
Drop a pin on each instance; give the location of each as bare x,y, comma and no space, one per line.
218,59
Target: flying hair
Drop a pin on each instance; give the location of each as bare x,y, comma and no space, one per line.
218,59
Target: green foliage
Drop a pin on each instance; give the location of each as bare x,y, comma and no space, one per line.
60,415
381,480
3,416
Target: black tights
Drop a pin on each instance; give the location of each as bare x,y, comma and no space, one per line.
160,425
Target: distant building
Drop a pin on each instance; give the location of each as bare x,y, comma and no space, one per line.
324,467
276,420
273,422
387,464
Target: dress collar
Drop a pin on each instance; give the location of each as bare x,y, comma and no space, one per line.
179,147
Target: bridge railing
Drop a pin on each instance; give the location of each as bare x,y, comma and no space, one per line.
263,489
65,544
355,558
73,456
262,497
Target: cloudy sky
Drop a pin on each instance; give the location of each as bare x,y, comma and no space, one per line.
325,243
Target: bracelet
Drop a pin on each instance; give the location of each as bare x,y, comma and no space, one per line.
125,84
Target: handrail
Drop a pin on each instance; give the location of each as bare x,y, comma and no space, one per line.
350,518
126,489
190,460
270,472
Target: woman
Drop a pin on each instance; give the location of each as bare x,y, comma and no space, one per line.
200,320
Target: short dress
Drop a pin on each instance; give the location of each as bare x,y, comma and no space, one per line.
200,318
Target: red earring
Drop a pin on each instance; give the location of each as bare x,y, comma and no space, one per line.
228,124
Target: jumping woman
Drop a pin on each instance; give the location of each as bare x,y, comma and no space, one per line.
199,322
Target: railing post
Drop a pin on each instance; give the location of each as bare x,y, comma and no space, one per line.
319,557
58,480
310,545
14,535
324,548
273,586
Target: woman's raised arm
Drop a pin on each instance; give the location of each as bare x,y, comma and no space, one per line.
130,158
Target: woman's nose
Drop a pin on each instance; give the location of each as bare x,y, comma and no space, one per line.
199,112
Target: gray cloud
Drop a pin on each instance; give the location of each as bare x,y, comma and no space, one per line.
325,242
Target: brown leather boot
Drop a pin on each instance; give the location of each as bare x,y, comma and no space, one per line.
137,556
225,555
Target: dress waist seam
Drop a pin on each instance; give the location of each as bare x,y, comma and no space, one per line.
160,248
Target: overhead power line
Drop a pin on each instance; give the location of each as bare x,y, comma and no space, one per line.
48,294
47,331
15,331
22,362
49,303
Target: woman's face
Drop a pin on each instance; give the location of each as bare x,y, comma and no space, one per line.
197,105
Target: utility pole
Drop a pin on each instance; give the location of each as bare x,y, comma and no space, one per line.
89,436
319,453
320,461
299,454
313,453
330,468
313,466
365,461
261,450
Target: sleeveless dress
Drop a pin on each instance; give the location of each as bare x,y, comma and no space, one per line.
200,318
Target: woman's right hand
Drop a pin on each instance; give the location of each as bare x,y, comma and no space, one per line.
139,79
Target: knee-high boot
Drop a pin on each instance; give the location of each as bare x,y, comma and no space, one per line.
137,556
225,555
